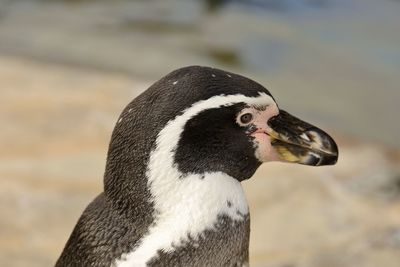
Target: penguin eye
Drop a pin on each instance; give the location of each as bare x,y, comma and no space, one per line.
246,118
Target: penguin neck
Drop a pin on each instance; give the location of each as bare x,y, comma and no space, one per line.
194,201
186,206
195,198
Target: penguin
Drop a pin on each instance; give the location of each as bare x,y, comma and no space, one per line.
172,183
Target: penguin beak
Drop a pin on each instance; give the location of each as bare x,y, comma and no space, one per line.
300,142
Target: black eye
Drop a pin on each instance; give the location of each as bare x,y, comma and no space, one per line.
246,118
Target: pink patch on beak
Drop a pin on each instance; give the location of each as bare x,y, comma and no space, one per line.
264,150
262,141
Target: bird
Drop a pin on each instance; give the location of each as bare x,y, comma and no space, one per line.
176,159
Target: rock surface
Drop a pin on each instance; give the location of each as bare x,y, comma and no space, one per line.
56,124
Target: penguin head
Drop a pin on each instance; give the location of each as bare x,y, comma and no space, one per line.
235,133
200,120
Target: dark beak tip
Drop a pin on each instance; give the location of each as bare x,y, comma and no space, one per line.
332,160
330,145
329,153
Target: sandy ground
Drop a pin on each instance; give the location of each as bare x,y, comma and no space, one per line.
56,124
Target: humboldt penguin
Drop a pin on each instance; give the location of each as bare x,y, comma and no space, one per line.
172,192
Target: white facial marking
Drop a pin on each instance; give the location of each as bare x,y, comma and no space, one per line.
187,204
175,82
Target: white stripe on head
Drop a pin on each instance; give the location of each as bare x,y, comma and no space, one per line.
187,204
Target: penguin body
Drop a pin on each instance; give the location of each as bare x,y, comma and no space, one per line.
172,193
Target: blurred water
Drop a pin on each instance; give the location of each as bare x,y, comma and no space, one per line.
334,62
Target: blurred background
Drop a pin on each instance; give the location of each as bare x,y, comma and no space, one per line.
68,68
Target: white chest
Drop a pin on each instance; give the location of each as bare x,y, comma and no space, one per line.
187,208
